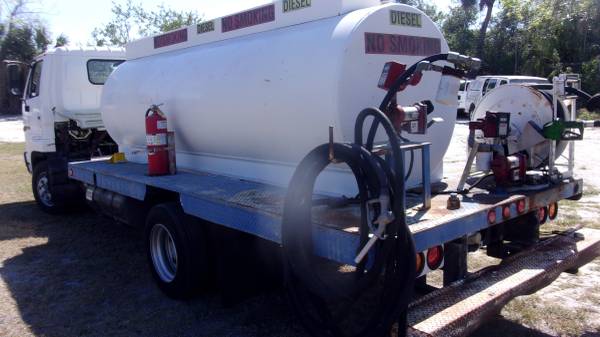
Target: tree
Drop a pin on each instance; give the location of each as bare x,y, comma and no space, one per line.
42,38
487,5
428,8
61,41
591,75
22,36
457,29
19,44
131,21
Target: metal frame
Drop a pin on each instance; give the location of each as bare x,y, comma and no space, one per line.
255,208
559,94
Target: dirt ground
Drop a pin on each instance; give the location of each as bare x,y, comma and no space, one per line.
85,275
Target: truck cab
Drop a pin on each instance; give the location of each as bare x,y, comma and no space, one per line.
61,117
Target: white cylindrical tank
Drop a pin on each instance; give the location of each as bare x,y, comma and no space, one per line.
252,102
526,105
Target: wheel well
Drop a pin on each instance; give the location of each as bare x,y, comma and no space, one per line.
36,158
155,196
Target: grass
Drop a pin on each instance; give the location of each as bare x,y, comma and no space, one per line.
584,114
14,178
533,311
83,275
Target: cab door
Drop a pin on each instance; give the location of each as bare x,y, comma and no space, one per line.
32,105
489,84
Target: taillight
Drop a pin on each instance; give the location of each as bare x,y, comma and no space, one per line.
435,256
543,215
506,212
553,211
491,216
521,206
420,263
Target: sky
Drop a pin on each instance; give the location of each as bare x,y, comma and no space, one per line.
78,18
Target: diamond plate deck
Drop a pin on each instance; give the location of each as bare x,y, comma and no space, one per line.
459,309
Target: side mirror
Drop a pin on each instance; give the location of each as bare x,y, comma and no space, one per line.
15,79
594,103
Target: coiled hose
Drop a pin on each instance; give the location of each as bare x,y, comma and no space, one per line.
386,278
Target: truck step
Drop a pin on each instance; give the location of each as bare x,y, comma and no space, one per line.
459,309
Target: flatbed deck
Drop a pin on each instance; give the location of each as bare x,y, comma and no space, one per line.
256,208
456,309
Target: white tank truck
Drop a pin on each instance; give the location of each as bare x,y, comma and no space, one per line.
292,160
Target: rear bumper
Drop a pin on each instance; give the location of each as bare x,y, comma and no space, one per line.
459,309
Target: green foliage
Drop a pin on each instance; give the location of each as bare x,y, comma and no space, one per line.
530,37
42,38
19,44
61,40
132,21
457,29
428,8
591,75
22,34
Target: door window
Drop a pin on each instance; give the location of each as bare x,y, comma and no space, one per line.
99,70
489,85
33,88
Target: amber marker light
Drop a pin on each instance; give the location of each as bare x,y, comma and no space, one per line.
506,212
543,215
420,263
491,216
553,211
521,206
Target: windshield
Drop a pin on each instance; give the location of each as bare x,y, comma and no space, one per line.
99,70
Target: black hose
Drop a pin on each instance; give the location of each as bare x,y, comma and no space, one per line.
393,260
297,217
569,90
466,190
403,79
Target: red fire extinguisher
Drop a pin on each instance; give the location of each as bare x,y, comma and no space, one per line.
157,142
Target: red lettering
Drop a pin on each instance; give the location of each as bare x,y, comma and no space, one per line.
391,44
248,19
171,38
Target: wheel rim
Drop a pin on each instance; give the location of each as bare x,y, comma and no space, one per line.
43,190
164,253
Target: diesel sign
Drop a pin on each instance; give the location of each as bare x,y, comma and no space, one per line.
406,19
292,5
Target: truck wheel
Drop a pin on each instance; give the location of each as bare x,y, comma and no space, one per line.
177,252
42,191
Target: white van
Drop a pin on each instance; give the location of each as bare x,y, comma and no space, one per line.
483,84
462,96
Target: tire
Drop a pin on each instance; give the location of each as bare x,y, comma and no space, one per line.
471,111
177,252
42,191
